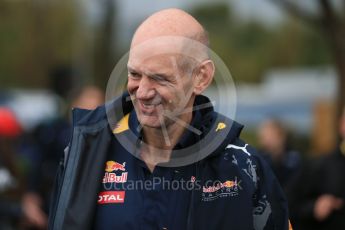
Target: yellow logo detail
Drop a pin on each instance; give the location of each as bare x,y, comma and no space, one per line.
229,184
122,125
220,126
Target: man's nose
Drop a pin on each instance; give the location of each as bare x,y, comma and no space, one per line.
145,90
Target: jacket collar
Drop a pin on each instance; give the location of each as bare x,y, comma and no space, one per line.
217,130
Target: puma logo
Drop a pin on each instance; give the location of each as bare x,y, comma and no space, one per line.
239,147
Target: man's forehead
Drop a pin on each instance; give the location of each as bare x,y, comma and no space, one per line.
162,63
158,45
167,47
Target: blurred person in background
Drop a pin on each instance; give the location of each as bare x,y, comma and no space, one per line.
88,97
273,144
15,210
317,196
51,138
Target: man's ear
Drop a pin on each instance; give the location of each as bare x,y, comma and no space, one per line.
204,76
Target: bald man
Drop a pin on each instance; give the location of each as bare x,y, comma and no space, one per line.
159,156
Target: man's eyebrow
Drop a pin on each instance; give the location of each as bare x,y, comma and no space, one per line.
131,69
160,75
151,74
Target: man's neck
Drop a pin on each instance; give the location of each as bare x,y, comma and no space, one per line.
159,142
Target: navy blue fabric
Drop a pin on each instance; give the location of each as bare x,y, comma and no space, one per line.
234,187
152,204
150,207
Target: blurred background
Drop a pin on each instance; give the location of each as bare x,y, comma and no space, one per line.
287,59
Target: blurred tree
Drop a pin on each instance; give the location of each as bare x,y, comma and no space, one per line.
294,44
249,48
104,59
329,21
238,44
34,36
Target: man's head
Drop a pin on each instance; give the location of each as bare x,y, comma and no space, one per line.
168,66
88,97
272,137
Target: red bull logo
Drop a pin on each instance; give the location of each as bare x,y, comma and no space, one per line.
230,184
111,166
226,184
113,178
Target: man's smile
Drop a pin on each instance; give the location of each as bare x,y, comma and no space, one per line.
147,108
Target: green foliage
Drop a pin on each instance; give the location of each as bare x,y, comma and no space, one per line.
34,36
249,48
38,35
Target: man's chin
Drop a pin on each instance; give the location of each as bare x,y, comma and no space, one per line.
152,126
150,122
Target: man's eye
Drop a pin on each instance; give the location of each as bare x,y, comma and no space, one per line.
159,78
133,75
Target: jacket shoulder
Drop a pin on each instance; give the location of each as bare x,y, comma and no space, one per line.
244,159
112,111
82,117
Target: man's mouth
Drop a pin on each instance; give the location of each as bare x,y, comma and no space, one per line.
148,108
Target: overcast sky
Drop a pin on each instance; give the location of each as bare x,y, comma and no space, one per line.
262,10
131,12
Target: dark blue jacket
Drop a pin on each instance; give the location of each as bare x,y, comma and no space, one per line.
234,187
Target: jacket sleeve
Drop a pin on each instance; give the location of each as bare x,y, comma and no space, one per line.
56,189
270,208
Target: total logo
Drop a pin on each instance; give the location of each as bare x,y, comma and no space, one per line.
111,197
110,176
